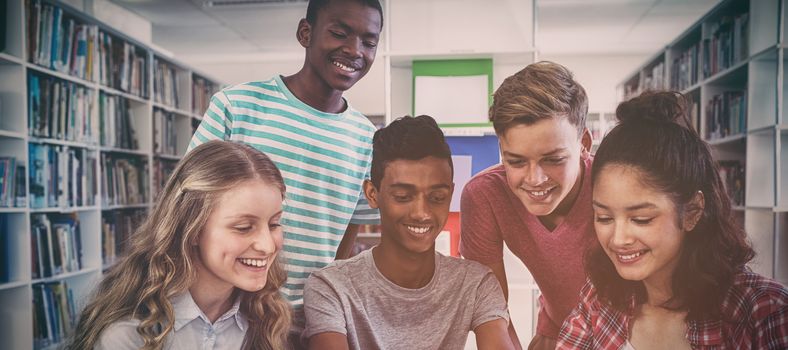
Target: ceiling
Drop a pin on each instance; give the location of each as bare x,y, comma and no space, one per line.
255,32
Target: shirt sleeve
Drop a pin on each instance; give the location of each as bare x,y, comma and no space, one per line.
364,214
490,304
577,332
770,313
480,236
120,335
216,123
322,308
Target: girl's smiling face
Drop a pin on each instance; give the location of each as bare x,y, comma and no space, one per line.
241,238
637,226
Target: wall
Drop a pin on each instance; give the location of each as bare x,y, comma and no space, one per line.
599,75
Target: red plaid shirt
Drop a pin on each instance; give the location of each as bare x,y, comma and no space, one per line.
759,306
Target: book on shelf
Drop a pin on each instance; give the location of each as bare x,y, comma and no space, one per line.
726,114
726,43
60,109
732,175
124,179
685,70
162,169
3,29
54,313
117,226
58,41
165,83
118,124
12,183
164,133
654,78
5,247
56,244
127,66
202,91
61,176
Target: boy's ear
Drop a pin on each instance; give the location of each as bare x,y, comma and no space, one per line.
372,194
304,33
586,141
693,211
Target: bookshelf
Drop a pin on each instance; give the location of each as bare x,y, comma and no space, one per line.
97,133
731,64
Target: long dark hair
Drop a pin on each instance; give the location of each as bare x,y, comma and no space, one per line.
655,137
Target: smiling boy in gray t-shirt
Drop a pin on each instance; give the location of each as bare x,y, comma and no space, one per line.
402,294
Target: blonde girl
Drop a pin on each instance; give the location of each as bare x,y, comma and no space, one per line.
202,269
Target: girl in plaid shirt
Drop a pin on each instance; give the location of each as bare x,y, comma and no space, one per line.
669,271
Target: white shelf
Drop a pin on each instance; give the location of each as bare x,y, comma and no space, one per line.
48,141
54,73
134,152
13,284
172,109
763,148
6,58
727,139
125,206
61,210
63,276
12,134
126,95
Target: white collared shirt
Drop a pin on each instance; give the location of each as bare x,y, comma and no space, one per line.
192,329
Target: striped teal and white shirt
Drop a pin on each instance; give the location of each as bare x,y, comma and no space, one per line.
324,159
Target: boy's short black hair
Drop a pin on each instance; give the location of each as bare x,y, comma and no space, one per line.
315,6
410,138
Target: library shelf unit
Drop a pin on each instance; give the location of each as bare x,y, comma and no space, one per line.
731,65
111,131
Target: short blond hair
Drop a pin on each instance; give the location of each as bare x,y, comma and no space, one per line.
539,91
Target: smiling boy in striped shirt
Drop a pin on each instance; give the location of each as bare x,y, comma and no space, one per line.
322,145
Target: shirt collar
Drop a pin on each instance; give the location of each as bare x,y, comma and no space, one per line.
186,311
699,333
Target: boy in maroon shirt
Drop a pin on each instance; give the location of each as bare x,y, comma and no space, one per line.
538,201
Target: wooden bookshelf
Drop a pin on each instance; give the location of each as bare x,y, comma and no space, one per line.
137,93
731,64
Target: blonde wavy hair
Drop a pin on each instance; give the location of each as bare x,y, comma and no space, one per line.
160,261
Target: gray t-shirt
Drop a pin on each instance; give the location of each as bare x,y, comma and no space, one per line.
352,297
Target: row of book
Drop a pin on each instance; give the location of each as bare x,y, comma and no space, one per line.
116,228
732,174
165,84
60,109
685,70
12,183
54,313
726,43
56,244
125,179
162,169
60,42
118,122
61,176
726,114
202,91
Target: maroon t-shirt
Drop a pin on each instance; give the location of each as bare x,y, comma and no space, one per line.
492,215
